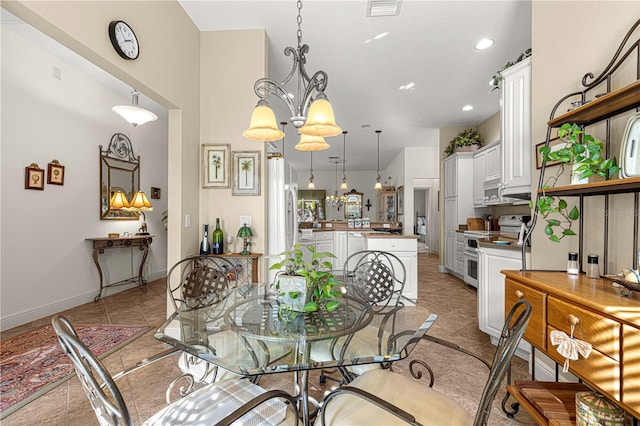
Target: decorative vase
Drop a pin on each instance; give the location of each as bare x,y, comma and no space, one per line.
575,175
293,292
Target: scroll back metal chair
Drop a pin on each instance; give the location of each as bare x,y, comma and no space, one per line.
200,281
378,278
207,405
394,398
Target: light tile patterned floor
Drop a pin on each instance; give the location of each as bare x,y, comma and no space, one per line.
449,297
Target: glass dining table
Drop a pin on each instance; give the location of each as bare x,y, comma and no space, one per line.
243,330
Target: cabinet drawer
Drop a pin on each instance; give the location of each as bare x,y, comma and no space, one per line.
598,370
324,236
392,244
631,367
536,329
602,333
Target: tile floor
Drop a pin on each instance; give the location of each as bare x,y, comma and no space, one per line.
144,390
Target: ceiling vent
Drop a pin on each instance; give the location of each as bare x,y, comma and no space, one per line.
383,7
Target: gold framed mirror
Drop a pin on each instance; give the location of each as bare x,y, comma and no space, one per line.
119,173
353,205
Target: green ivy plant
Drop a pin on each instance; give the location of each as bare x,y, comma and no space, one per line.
497,78
586,152
317,274
465,138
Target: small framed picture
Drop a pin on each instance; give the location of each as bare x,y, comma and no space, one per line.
215,166
555,144
34,177
55,173
155,193
246,173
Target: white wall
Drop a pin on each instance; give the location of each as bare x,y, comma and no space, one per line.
46,262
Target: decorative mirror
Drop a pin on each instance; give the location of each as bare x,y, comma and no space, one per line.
353,205
119,172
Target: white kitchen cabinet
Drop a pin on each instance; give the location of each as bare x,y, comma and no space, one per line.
324,243
479,175
460,242
406,249
341,250
516,128
491,291
458,203
493,162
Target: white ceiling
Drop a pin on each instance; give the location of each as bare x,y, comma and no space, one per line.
429,45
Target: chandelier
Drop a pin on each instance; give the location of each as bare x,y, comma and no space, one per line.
336,201
312,116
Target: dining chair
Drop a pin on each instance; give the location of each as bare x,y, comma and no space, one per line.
378,278
199,281
220,403
393,398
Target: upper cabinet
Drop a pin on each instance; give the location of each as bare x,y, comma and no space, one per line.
516,129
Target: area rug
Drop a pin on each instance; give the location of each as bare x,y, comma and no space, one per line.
33,363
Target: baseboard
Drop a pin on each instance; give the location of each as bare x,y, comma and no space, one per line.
44,311
442,269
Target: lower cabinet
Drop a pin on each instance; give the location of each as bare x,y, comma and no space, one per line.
406,249
491,291
340,249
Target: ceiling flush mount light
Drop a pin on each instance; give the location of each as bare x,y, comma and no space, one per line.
378,185
485,43
344,185
313,115
133,113
311,184
467,107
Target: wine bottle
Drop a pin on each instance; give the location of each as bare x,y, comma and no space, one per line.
204,244
217,246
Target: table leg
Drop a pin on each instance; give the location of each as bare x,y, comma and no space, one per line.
96,253
145,248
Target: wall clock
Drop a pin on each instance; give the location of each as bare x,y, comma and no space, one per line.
124,40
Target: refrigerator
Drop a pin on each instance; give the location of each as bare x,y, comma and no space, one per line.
282,210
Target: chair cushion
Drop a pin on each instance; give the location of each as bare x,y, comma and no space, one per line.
427,405
210,404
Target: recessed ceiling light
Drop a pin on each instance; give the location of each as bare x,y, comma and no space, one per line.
467,107
485,43
408,86
381,35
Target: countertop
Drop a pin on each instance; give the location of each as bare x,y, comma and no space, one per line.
389,236
502,242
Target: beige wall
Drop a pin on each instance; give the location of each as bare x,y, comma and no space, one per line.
563,53
227,101
490,129
167,71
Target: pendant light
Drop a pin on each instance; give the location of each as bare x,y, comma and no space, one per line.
344,185
311,143
311,184
133,113
378,185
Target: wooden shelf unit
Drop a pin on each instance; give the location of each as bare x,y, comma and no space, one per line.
617,186
603,107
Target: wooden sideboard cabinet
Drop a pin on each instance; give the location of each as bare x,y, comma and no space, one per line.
607,320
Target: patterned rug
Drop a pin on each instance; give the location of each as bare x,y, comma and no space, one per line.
33,363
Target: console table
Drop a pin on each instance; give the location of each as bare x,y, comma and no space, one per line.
100,244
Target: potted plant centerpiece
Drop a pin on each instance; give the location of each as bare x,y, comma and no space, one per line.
306,286
468,140
584,154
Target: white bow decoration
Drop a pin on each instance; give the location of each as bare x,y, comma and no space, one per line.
569,347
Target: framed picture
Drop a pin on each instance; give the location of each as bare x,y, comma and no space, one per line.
34,177
55,173
215,166
246,173
555,144
401,200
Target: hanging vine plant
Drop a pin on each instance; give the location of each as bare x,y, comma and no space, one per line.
585,152
496,79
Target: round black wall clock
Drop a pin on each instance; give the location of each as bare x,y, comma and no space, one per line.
124,40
